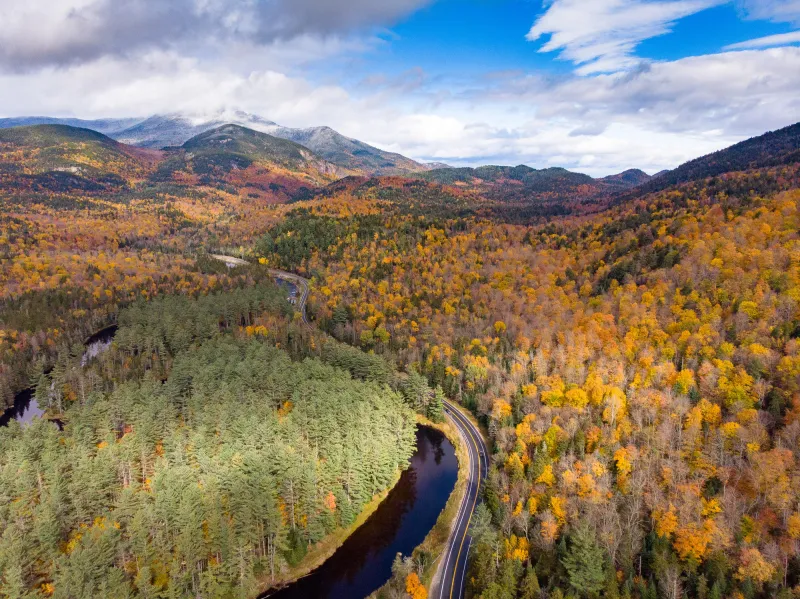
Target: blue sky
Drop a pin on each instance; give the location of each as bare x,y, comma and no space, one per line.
476,36
592,85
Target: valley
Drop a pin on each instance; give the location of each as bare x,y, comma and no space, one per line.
409,299
627,345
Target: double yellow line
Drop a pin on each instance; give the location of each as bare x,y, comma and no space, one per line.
471,438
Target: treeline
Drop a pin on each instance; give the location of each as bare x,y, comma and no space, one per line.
208,484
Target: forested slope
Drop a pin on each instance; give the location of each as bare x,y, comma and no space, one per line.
637,369
772,149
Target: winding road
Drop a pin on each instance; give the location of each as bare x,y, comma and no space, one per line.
448,582
296,280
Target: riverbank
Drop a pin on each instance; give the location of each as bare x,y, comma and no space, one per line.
435,542
324,550
399,524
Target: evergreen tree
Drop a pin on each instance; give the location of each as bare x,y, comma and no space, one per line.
584,560
226,471
611,590
436,405
530,585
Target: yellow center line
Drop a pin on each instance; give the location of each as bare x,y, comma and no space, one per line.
468,428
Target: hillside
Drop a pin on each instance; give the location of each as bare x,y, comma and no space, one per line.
638,371
771,149
59,157
525,185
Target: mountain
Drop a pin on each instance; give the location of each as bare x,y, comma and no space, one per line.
162,131
775,148
627,179
347,152
243,147
249,163
64,158
110,127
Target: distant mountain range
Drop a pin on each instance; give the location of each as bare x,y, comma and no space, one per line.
248,162
350,155
162,131
524,184
264,160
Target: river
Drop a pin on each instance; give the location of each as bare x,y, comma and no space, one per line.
364,562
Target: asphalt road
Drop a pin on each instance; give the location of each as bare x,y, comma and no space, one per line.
452,571
300,282
449,580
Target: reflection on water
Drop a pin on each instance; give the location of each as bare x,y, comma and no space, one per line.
98,343
364,562
25,409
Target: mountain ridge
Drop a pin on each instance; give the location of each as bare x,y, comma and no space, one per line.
773,148
525,184
172,130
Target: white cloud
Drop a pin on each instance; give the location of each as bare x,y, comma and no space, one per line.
781,11
652,118
602,35
770,41
38,33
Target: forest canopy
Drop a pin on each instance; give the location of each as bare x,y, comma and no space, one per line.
208,483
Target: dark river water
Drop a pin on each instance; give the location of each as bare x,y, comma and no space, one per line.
26,408
364,562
